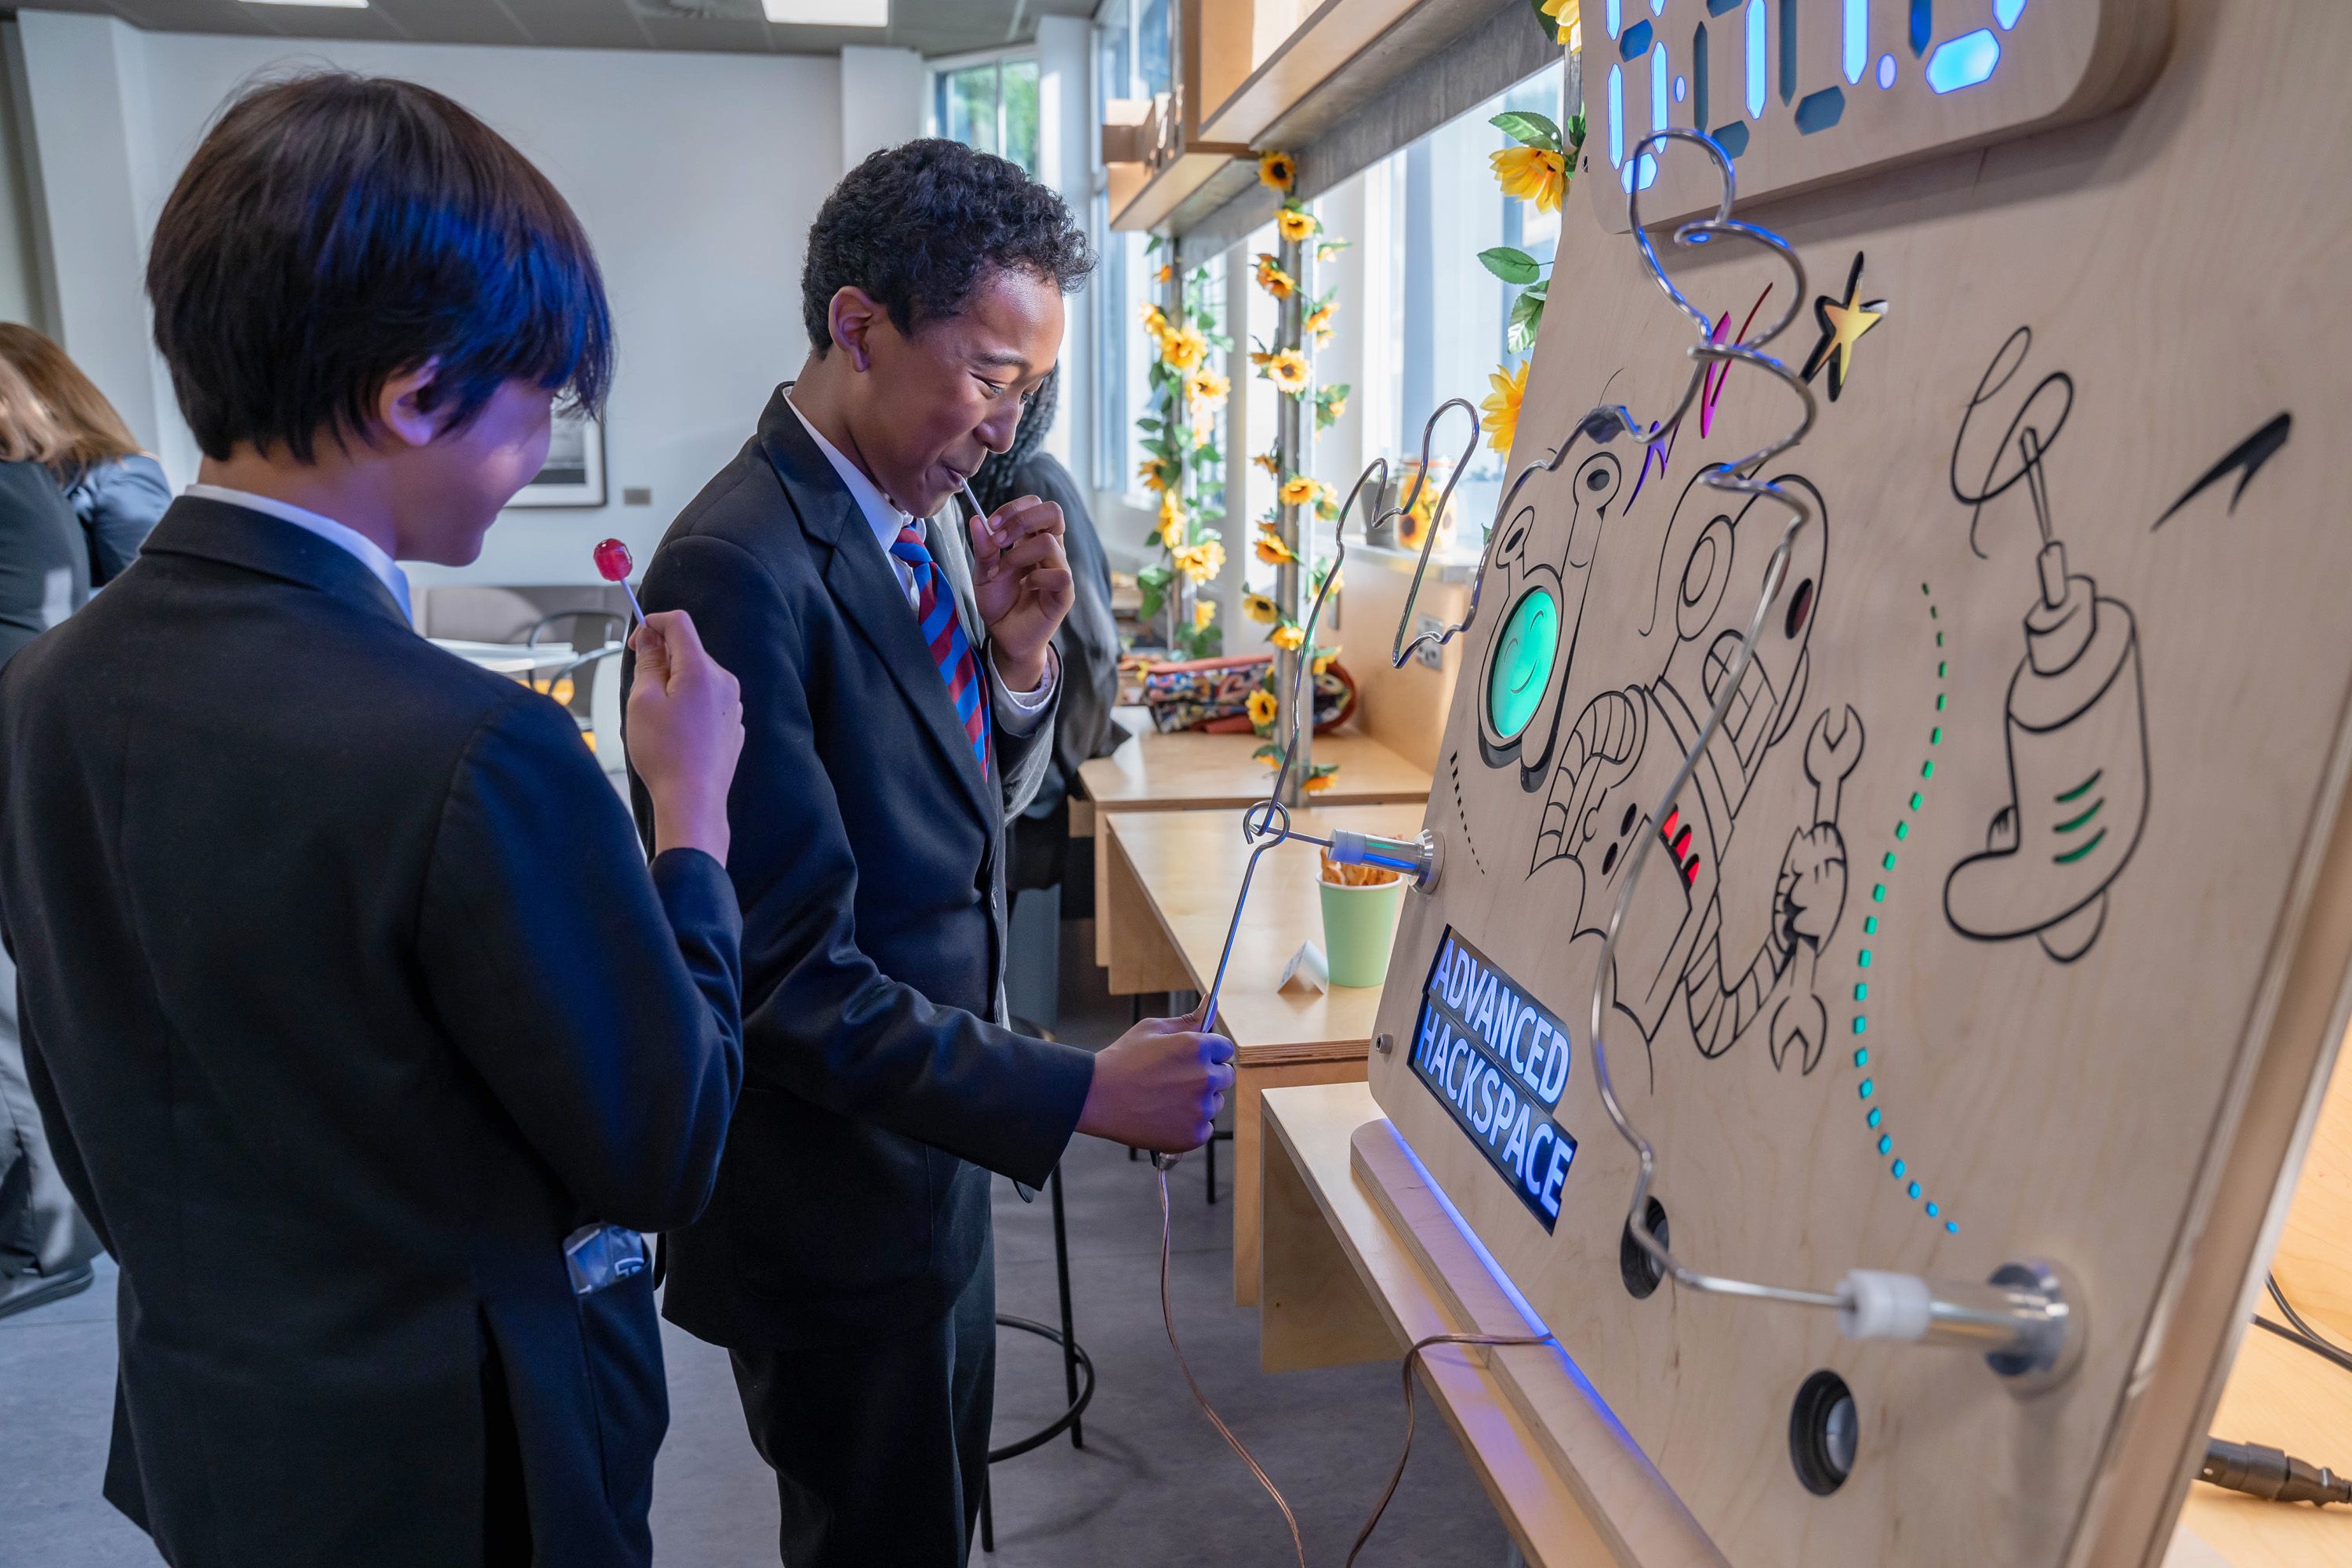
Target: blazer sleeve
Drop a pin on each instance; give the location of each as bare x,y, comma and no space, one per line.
598,997
823,1022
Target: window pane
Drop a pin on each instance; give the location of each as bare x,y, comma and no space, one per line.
1116,36
1452,316
1152,45
1020,113
971,115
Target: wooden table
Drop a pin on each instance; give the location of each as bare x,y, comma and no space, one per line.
1190,771
1174,874
1343,1283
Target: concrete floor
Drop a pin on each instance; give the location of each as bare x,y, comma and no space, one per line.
1153,1485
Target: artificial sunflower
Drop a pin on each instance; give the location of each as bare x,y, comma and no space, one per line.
1335,408
1320,322
1206,390
1171,513
1277,171
1535,175
1184,350
1271,462
1155,320
1569,17
1261,609
1153,479
1324,658
1287,370
1204,614
1500,407
1273,551
1200,562
1286,636
1262,708
1273,279
1299,490
1167,273
1315,784
1296,225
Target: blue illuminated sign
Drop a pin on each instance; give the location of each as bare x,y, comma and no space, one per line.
1499,1060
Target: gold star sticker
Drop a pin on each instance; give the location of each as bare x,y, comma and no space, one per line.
1843,325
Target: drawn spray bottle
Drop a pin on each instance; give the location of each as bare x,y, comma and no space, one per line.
2077,739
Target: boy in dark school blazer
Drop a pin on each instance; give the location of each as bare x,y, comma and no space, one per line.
367,1041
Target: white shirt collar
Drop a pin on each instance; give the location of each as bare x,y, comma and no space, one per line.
883,518
370,554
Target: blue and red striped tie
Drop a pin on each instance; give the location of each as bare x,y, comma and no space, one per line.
943,632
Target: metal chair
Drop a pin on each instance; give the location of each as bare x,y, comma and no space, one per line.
1078,1367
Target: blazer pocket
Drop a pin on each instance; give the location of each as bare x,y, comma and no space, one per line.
622,1335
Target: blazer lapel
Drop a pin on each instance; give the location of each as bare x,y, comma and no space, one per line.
862,581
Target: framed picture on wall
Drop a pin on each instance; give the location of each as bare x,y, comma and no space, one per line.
573,474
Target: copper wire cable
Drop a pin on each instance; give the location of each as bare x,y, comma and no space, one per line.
1167,1316
1396,1476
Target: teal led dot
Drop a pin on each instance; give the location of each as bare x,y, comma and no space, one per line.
1864,958
1868,1089
1917,800
1927,769
1939,639
1923,589
1860,1023
1931,1210
1952,1225
1931,616
1888,863
1885,1144
1902,831
1862,1058
1875,1116
1935,736
1861,991
1878,893
1913,1189
1939,670
1869,927
1898,1170
1939,702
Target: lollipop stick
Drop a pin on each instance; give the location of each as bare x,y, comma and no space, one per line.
632,593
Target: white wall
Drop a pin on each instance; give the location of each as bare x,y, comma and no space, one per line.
695,175
881,100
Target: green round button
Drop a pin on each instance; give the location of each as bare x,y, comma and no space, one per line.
1523,664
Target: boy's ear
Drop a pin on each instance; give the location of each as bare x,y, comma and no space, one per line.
407,407
853,315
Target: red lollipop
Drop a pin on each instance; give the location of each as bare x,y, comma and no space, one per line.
613,563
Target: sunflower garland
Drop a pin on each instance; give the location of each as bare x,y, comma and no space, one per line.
1537,168
1182,465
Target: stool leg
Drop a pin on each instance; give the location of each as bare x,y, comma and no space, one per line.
987,1513
1069,1333
1209,1148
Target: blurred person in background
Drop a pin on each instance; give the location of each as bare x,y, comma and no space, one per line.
116,490
45,1245
1087,643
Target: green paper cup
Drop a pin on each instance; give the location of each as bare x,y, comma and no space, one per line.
1359,924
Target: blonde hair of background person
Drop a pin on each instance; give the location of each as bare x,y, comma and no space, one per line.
116,490
29,432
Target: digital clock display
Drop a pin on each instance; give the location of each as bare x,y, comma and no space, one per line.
1803,92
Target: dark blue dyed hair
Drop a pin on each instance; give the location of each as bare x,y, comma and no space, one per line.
334,231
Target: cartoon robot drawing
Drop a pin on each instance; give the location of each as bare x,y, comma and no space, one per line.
2075,719
1625,745
1523,677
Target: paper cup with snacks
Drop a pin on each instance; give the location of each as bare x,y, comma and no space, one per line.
1360,904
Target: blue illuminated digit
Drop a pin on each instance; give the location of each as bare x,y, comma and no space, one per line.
1857,40
1755,60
